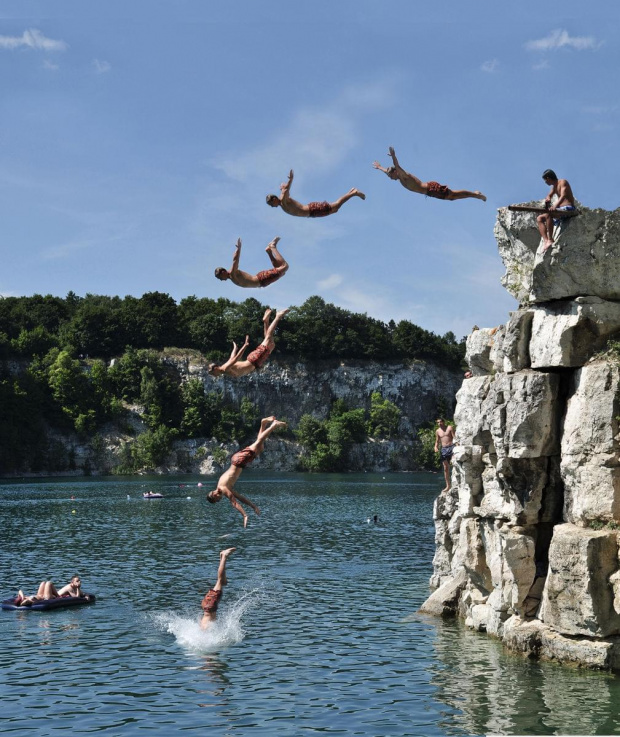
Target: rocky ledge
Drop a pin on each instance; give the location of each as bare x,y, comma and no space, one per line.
527,537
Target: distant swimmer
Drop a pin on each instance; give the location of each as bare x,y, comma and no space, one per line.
444,435
256,358
226,484
212,598
312,209
565,202
430,189
263,278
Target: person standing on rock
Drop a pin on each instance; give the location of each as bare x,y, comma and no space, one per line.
430,189
256,358
565,202
444,436
226,483
312,209
263,278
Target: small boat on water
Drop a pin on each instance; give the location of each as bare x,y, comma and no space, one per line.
152,495
45,604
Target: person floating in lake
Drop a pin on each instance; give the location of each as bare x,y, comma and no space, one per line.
312,209
444,435
241,459
47,590
430,189
263,278
565,202
212,598
256,358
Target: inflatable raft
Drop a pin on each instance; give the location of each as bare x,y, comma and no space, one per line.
44,604
152,495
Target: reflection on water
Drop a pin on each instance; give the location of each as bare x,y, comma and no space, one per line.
314,632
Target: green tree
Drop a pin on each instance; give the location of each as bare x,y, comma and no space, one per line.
384,417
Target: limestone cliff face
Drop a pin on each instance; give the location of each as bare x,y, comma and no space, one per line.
526,539
290,390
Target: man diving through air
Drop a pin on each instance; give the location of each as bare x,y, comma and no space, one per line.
263,278
312,209
430,189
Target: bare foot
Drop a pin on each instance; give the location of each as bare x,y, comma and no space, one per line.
266,315
265,421
227,552
480,196
546,246
357,193
278,423
273,243
281,313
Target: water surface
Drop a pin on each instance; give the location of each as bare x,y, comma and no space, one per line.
316,631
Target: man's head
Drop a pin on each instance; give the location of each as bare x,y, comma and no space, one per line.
273,200
221,273
76,581
440,421
549,175
392,172
214,370
214,496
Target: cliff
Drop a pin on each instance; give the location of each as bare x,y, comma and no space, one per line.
289,390
527,537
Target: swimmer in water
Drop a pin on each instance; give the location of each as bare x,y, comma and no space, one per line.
312,209
242,458
255,360
212,598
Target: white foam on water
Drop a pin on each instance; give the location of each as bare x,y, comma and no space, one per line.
225,631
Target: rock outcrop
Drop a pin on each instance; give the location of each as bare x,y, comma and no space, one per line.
527,537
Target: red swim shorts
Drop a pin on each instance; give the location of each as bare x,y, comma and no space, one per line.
268,277
259,356
242,458
319,209
211,599
438,191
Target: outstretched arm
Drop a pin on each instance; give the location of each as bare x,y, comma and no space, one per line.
236,257
245,500
377,165
285,187
392,153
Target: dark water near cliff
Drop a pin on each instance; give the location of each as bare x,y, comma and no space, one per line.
316,631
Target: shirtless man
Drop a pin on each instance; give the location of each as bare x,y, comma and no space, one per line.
430,189
212,598
255,360
263,278
565,202
445,435
226,484
312,209
47,590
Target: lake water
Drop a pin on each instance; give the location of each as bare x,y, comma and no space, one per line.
316,631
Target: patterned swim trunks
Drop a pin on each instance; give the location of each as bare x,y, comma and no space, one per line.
243,458
268,277
319,209
211,599
438,191
259,356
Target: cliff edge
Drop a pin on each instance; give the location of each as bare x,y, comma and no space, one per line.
527,537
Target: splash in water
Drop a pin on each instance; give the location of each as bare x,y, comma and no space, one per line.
225,631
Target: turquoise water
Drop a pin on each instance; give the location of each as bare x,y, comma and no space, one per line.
316,632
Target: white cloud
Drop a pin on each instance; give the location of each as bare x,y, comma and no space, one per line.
490,66
332,281
32,39
101,67
560,39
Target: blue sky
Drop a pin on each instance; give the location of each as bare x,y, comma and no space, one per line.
139,140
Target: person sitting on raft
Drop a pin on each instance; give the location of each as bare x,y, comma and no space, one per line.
255,360
226,483
212,598
430,189
47,590
312,209
263,278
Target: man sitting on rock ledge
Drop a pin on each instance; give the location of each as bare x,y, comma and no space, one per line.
565,203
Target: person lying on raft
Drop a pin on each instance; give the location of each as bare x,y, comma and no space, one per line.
47,590
226,484
255,360
212,598
312,209
430,189
565,202
263,278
